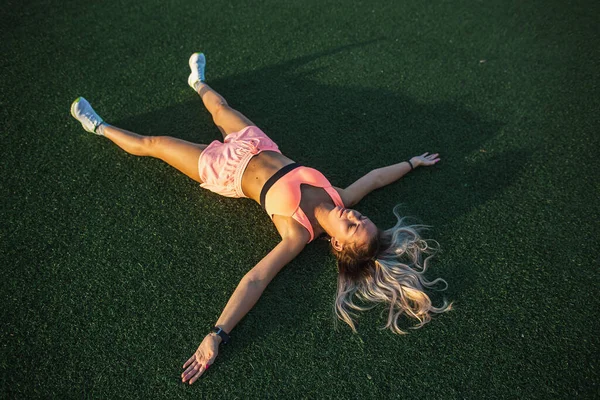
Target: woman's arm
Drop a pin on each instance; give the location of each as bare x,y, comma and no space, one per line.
255,281
242,300
381,177
392,173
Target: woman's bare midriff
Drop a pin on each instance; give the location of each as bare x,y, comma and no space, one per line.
260,168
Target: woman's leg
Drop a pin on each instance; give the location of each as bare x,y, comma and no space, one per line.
178,153
175,152
226,118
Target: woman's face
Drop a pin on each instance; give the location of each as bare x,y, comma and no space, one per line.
348,226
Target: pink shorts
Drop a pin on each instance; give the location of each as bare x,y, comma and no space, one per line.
222,165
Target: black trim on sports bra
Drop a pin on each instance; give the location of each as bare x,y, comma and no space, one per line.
271,181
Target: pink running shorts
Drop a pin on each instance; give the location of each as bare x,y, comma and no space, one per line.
222,165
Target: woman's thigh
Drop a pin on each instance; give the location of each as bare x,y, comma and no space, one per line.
229,120
178,153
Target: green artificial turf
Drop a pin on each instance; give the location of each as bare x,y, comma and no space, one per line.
114,267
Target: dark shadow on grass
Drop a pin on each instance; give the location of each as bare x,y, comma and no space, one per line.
345,132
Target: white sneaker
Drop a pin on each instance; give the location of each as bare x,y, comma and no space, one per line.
83,112
197,63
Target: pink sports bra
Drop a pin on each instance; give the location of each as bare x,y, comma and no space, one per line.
281,193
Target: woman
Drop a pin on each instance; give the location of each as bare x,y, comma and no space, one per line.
249,164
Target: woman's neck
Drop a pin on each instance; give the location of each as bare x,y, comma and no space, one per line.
322,211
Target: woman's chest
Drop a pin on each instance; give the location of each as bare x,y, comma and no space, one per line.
311,198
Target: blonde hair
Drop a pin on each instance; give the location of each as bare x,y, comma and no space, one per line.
389,269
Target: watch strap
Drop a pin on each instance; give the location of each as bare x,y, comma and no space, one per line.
224,336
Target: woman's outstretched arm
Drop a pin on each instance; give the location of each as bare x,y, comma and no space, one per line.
392,173
381,177
243,299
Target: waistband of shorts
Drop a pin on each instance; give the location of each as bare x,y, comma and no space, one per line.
248,148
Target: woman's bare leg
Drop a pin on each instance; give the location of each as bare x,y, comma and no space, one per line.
226,118
175,152
178,153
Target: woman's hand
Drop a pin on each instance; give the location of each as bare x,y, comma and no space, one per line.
202,358
425,160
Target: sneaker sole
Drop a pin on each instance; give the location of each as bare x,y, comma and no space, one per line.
77,100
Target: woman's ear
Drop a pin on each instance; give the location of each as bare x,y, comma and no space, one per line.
336,244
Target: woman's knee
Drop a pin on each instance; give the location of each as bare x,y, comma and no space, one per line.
229,120
152,145
218,110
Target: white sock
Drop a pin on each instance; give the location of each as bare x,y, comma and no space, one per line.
100,129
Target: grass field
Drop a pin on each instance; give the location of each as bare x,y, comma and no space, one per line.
114,267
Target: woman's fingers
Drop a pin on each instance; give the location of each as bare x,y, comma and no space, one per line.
198,374
190,371
197,369
188,362
202,370
184,376
431,159
190,367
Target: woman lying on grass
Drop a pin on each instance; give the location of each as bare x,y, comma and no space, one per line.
376,265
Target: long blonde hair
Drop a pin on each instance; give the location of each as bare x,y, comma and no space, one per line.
389,269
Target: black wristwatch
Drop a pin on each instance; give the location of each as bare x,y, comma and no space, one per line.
222,333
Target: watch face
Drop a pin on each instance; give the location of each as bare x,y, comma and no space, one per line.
221,333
